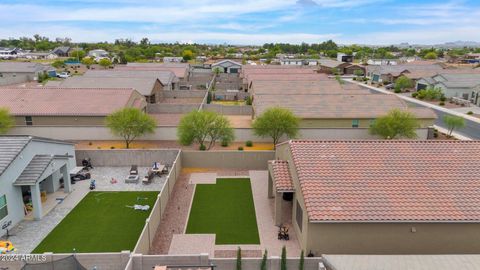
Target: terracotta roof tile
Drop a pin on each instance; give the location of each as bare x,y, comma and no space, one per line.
281,175
381,181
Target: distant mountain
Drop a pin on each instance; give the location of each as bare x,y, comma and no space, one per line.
446,45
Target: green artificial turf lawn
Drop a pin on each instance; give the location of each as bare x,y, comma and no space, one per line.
101,222
225,209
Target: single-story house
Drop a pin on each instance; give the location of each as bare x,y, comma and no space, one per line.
172,59
346,58
166,77
151,88
21,72
8,53
181,70
227,66
379,197
341,111
343,68
34,172
462,85
40,55
62,51
67,106
389,73
98,54
298,62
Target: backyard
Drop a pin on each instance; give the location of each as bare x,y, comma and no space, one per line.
101,222
225,209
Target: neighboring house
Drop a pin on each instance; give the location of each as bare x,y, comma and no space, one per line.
69,107
382,62
167,78
298,62
379,197
321,87
21,72
343,68
150,88
228,66
172,59
181,70
389,73
62,51
8,53
98,54
342,113
34,173
465,86
40,55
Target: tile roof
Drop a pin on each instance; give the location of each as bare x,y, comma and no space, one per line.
34,170
389,180
305,87
179,69
336,106
64,101
144,86
10,147
166,77
281,176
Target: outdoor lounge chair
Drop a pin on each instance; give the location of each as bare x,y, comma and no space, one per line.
147,179
134,170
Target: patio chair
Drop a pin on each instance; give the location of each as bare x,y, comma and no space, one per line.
134,170
147,179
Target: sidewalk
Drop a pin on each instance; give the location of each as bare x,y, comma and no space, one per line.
414,100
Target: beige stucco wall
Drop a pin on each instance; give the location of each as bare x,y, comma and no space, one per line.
62,120
347,123
393,238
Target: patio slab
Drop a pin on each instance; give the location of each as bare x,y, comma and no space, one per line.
203,178
183,244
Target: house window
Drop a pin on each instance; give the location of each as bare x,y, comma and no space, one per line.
355,123
299,216
3,207
28,121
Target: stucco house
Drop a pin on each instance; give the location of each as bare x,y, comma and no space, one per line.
63,107
21,72
227,66
462,85
181,70
342,68
62,51
34,172
167,78
379,197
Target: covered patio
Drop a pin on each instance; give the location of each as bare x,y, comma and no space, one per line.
41,183
281,188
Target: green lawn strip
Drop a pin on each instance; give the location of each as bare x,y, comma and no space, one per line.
225,209
101,222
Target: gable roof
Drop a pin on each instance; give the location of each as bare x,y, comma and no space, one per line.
19,67
281,176
228,62
144,86
35,168
166,77
61,49
179,69
389,180
337,106
65,101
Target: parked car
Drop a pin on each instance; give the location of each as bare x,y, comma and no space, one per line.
63,75
390,86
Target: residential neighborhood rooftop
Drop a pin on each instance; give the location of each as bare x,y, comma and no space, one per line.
66,101
388,181
165,76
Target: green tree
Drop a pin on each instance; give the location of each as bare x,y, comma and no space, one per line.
402,83
283,259
130,123
78,54
105,63
453,122
396,124
431,56
187,55
276,122
263,264
88,61
204,126
58,64
6,121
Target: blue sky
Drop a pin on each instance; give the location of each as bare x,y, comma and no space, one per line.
245,21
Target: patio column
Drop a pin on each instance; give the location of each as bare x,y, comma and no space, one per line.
278,208
36,201
67,184
270,185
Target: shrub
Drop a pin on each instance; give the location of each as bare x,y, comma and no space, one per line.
98,147
240,148
469,112
263,265
443,98
248,100
283,262
224,143
209,97
249,143
112,147
441,103
430,94
90,143
202,147
302,261
239,258
397,90
435,135
414,95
